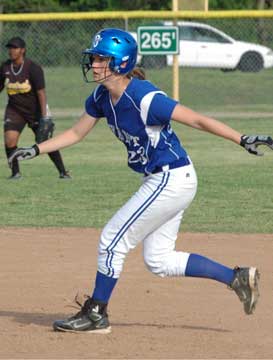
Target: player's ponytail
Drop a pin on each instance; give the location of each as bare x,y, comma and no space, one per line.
138,73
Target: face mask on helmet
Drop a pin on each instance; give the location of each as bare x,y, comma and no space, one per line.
87,65
116,44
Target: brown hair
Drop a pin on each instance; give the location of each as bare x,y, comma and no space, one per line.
138,73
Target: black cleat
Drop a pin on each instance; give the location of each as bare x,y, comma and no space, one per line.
65,176
91,318
16,176
245,284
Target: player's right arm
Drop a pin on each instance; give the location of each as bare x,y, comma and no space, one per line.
71,136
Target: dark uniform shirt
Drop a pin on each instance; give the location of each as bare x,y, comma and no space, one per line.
22,84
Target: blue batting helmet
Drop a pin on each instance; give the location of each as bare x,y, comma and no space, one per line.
117,44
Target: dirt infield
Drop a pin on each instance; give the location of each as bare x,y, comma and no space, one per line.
42,270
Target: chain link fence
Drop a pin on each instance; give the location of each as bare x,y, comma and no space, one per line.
217,74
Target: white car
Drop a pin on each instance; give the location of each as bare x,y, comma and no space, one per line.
202,45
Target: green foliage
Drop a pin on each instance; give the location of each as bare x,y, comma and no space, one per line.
30,6
232,4
139,5
84,5
26,6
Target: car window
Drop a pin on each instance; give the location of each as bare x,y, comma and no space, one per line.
186,33
193,33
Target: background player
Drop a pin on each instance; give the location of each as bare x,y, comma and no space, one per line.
25,85
139,115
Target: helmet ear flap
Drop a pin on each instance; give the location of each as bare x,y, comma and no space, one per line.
112,64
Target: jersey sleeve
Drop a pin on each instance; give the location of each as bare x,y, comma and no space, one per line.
159,109
36,76
92,106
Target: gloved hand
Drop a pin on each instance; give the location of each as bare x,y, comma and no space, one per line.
251,143
45,129
24,154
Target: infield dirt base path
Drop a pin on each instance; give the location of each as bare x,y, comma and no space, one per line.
42,270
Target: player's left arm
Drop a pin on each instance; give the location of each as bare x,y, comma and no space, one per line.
37,80
193,119
2,78
42,101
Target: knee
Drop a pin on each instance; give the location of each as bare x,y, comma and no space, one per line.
155,264
10,143
172,263
10,140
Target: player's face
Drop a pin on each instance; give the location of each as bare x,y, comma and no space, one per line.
16,54
100,67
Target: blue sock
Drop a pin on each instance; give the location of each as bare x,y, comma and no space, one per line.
103,288
200,266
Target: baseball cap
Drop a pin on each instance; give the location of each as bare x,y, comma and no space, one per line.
16,42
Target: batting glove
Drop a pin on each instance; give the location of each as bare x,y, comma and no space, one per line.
251,143
24,154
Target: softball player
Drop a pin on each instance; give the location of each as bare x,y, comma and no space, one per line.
25,85
139,115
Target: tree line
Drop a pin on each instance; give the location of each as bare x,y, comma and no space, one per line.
40,6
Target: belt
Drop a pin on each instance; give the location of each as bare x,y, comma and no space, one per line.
175,164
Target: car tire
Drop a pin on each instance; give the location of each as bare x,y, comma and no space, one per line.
228,70
251,62
154,62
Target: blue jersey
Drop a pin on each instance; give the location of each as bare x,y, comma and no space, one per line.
141,120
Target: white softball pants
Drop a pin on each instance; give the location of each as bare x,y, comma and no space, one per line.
152,216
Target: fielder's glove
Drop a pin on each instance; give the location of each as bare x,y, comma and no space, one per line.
251,143
24,154
45,129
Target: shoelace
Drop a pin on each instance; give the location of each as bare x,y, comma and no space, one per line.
83,307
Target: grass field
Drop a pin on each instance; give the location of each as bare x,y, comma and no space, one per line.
202,89
235,188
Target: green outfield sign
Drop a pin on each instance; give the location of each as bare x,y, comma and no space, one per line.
159,40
